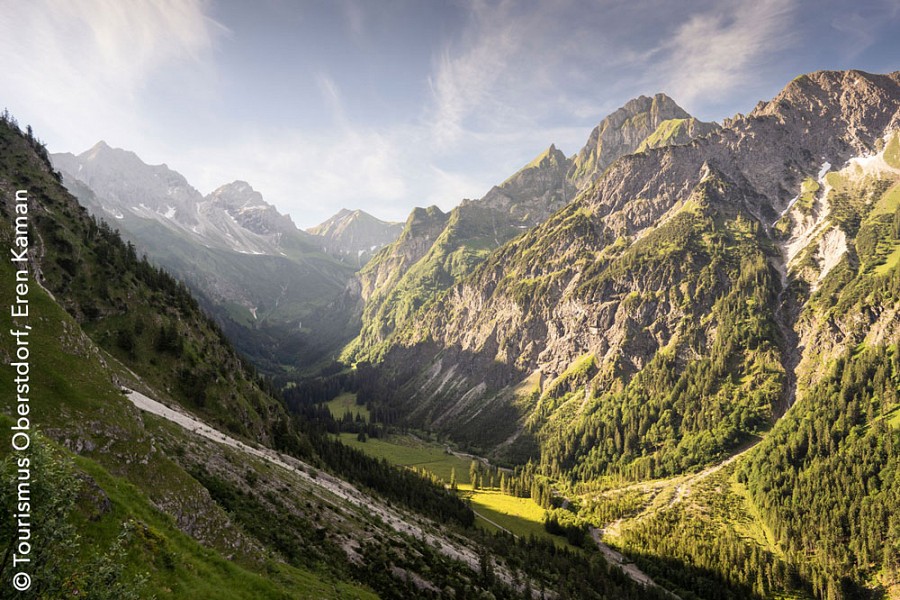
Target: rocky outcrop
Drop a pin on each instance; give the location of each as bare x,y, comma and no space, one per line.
640,263
625,131
393,289
355,235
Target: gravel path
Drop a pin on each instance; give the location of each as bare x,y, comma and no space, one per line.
323,481
616,558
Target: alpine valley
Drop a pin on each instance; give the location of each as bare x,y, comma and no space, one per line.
665,366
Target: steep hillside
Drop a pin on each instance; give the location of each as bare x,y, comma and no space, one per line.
393,291
220,494
269,285
689,300
665,271
355,235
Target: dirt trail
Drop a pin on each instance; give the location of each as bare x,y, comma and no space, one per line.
616,558
494,523
334,486
684,489
681,491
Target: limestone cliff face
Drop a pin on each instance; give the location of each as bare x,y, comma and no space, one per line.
247,208
663,254
623,132
416,268
355,235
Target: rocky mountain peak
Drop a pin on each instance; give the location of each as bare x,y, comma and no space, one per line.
247,207
622,132
354,235
126,183
551,157
861,105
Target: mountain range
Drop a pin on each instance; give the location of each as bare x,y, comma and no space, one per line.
679,344
275,289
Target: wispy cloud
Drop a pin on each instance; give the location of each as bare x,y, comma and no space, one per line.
720,50
79,67
506,78
467,73
332,97
859,27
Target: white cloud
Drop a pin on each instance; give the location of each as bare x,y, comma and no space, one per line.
332,97
513,78
722,49
77,69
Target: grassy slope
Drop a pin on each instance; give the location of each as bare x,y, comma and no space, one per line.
520,516
73,398
347,402
406,451
142,316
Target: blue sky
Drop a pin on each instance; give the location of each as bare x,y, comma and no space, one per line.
387,105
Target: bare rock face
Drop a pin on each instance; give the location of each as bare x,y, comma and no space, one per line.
621,133
642,264
248,209
123,183
355,235
408,274
253,269
126,190
420,231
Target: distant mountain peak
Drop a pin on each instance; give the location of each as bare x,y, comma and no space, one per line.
248,208
103,151
355,234
551,155
237,193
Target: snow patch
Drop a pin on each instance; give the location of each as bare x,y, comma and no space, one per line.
826,166
170,212
787,208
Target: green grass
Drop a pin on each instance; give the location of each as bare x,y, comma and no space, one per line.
888,202
347,402
520,516
666,131
72,391
893,417
892,151
179,567
808,191
895,420
892,260
407,451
